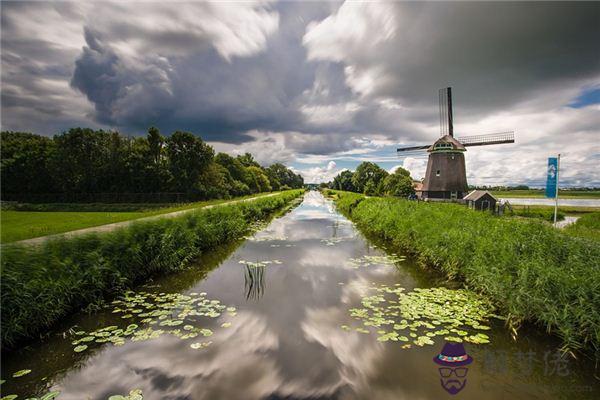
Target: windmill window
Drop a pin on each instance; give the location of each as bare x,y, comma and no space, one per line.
438,172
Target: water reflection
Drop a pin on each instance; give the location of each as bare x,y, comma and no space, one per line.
254,281
287,341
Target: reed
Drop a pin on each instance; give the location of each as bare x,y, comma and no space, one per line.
42,284
531,271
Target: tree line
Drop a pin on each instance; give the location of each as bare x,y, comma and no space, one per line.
372,180
84,160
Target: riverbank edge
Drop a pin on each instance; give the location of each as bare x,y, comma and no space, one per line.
513,263
42,284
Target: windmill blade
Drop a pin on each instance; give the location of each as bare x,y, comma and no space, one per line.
413,148
446,118
485,140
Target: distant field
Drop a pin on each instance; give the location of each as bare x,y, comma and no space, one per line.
21,225
565,194
568,210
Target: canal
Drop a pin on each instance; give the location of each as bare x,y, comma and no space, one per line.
305,308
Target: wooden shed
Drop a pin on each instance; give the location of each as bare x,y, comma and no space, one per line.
480,200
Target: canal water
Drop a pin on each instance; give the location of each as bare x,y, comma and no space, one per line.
275,322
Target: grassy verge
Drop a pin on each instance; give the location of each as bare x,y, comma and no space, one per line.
563,194
21,225
545,213
42,284
530,270
587,226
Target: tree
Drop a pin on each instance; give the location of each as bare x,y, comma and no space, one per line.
188,155
368,172
259,182
343,181
81,161
25,163
233,165
398,184
247,160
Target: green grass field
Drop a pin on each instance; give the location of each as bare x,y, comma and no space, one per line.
21,225
564,194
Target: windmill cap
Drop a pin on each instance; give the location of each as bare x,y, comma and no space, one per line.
453,355
456,145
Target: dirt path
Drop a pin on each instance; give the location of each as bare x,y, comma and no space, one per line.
117,225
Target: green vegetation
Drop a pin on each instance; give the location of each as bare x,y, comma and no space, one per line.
563,194
21,225
546,213
417,317
587,226
531,271
84,165
42,284
372,180
184,316
566,210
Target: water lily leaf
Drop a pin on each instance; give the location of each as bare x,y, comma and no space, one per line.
9,397
21,373
80,348
225,324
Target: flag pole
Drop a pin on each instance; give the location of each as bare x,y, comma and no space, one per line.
556,193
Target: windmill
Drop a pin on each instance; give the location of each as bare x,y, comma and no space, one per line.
446,176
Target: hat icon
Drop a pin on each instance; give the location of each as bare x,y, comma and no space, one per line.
453,355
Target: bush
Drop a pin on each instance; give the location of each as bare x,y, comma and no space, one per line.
532,271
42,284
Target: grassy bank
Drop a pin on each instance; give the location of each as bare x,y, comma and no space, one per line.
26,221
530,270
587,226
42,284
563,194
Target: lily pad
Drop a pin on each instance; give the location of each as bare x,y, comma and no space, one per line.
80,348
423,314
21,373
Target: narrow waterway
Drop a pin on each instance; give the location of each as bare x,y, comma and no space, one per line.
270,318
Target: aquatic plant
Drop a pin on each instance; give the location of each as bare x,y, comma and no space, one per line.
42,284
151,315
417,317
368,260
531,271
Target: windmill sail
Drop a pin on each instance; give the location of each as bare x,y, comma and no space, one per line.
485,140
446,118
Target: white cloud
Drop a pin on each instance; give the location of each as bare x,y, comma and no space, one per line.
320,174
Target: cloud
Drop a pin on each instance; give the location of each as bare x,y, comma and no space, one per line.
309,83
320,174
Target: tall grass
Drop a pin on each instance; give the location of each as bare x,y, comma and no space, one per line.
587,226
42,284
532,271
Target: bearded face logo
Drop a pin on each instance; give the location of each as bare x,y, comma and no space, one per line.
452,362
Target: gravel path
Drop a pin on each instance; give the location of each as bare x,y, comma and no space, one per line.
117,225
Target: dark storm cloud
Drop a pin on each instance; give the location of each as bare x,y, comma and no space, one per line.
494,54
304,78
202,91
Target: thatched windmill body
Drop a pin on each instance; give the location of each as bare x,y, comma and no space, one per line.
446,175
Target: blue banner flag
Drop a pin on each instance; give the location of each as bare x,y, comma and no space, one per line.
551,176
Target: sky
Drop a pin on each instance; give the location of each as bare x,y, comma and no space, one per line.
318,86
